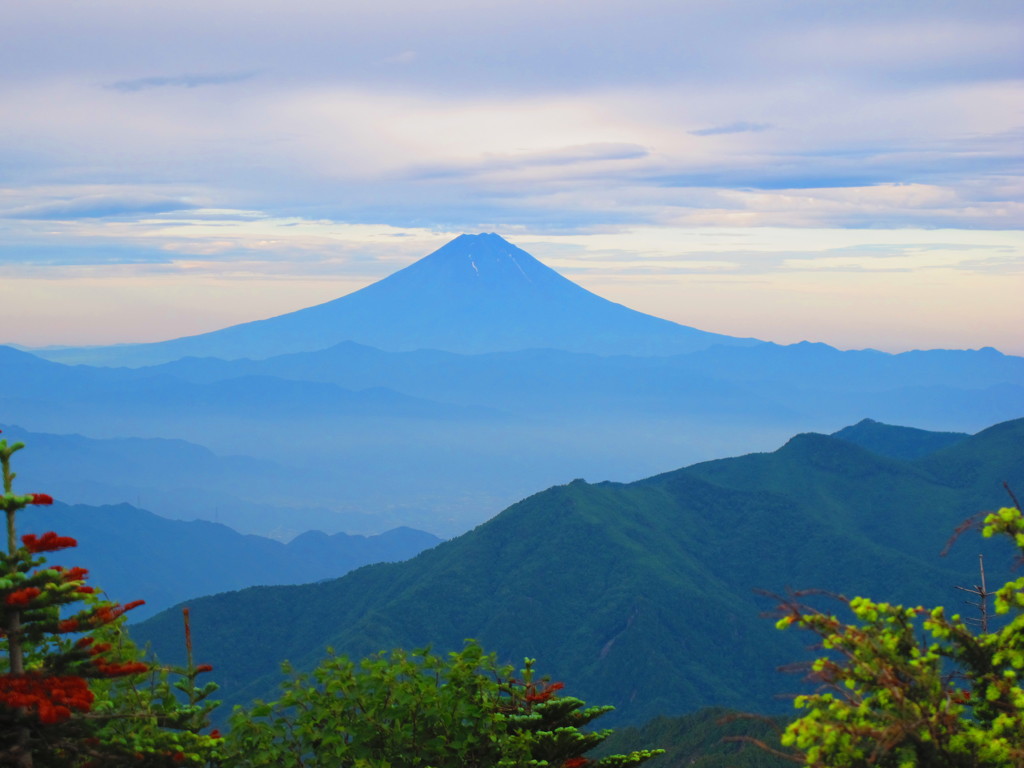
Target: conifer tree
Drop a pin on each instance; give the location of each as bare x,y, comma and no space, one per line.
74,691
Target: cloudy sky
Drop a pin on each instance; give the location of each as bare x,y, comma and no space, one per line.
833,170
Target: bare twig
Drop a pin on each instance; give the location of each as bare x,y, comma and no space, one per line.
1006,486
983,594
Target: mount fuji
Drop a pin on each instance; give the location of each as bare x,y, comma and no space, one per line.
476,294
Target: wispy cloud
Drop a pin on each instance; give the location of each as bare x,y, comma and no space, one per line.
78,254
581,155
98,207
737,127
179,81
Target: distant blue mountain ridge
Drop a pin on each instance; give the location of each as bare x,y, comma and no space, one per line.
184,481
478,293
134,554
440,395
441,441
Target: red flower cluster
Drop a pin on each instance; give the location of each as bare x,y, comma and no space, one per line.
117,669
41,499
108,668
575,762
546,694
48,542
72,574
23,596
52,698
107,614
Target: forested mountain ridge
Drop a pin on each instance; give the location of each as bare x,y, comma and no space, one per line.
642,595
897,442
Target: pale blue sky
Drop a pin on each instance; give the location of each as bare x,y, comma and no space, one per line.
839,171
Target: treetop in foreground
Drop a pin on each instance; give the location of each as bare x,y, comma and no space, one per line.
418,710
74,691
905,687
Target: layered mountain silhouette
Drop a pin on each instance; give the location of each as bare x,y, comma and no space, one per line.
134,554
181,480
478,293
642,595
365,423
442,441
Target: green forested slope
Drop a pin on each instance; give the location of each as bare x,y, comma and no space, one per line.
640,595
897,442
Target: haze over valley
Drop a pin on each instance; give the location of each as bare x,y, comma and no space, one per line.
306,425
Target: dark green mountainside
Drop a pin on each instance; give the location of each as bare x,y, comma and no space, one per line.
710,738
642,595
897,442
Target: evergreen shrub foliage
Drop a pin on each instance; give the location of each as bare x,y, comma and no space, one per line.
418,710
